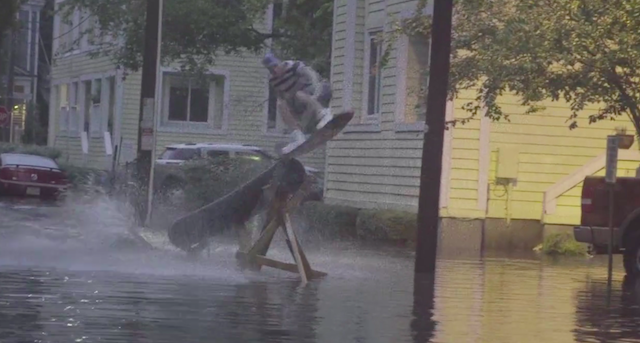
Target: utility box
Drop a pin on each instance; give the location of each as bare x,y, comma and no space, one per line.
507,164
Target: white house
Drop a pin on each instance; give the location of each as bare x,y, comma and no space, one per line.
91,99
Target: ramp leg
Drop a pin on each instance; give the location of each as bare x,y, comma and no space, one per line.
295,248
260,247
244,236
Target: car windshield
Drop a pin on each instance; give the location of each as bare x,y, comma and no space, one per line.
179,154
28,160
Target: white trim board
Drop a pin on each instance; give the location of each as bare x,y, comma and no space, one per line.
568,182
484,160
447,151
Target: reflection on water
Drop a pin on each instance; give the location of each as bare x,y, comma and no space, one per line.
371,297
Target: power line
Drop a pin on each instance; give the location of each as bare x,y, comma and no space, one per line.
73,28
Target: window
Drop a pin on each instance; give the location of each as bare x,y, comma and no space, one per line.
93,107
274,120
272,112
188,102
68,32
212,154
194,101
374,73
63,114
417,78
180,154
92,31
87,108
73,107
111,84
22,43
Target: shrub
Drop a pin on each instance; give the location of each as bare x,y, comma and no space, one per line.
209,179
386,225
330,221
80,177
39,150
562,243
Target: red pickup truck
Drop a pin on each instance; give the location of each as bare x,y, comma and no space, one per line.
594,221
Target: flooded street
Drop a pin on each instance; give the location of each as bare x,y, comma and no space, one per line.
79,286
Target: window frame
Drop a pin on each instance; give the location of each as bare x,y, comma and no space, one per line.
366,117
62,110
210,126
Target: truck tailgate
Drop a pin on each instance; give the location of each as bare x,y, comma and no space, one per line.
595,200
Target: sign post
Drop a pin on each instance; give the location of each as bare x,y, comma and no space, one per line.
5,117
5,121
611,168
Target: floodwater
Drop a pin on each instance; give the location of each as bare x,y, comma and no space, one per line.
82,289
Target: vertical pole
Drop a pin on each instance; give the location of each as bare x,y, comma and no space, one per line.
11,81
611,236
156,114
147,96
430,174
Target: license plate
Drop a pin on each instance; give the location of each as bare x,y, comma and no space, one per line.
33,191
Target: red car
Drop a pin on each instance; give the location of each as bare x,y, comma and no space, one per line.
31,175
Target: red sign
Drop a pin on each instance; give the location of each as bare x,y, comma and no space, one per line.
5,117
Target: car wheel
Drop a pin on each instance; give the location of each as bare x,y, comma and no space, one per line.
631,255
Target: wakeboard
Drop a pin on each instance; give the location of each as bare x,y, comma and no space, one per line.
335,126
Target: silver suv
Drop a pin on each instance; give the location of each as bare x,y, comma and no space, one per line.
169,176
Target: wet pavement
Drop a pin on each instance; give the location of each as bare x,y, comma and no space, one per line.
74,286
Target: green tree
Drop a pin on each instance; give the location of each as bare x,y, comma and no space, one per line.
585,52
304,31
8,14
195,32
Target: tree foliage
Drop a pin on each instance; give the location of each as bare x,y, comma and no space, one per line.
8,14
584,52
304,32
196,32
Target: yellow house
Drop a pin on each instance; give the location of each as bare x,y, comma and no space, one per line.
524,172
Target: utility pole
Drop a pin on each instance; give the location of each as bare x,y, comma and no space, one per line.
6,134
147,104
430,174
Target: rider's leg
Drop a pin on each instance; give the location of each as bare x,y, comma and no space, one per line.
298,137
314,116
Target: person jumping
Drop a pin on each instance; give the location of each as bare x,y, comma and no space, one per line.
303,98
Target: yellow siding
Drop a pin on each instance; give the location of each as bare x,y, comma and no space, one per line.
548,151
465,153
375,165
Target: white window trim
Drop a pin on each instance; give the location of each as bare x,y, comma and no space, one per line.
206,128
279,130
68,131
374,118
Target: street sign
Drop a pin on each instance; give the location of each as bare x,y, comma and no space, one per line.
5,117
612,159
146,141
